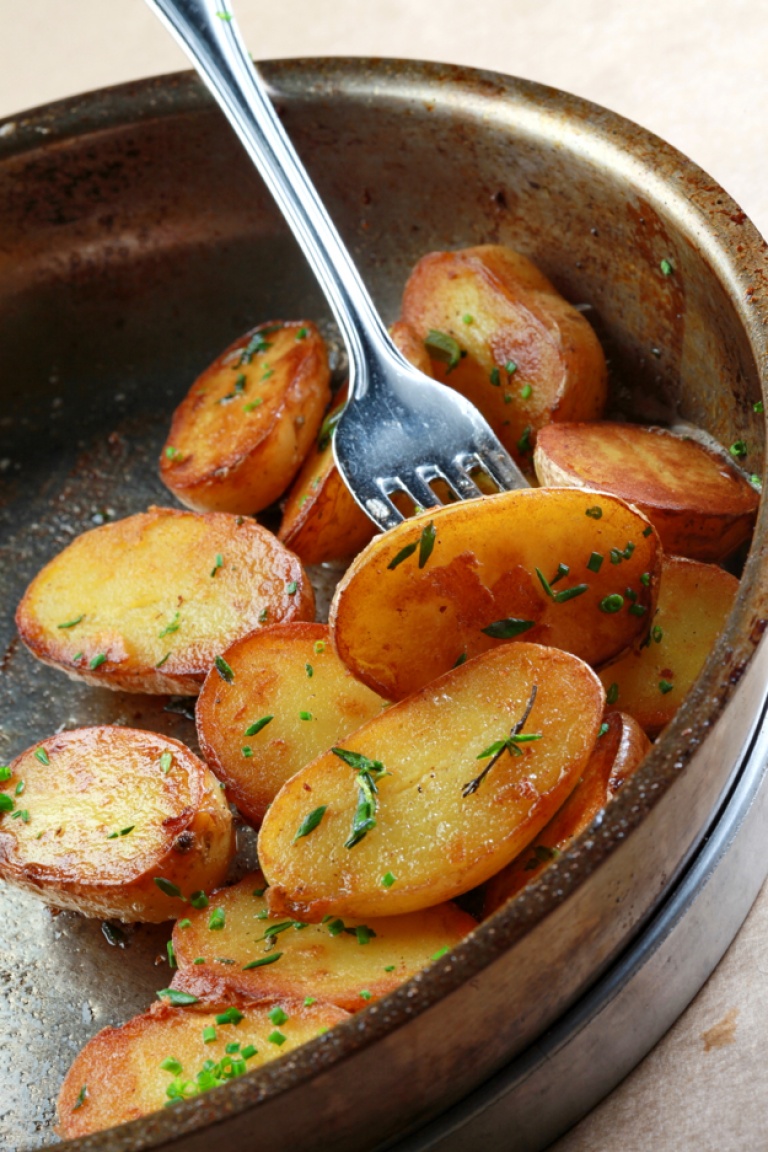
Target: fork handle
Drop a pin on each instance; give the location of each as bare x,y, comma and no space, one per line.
207,32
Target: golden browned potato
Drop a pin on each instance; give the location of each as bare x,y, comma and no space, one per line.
694,602
177,1050
115,823
620,749
290,699
570,569
498,332
436,794
147,604
412,346
321,520
347,962
240,435
700,505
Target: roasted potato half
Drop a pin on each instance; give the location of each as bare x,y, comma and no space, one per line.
146,604
115,823
436,794
701,506
620,749
290,698
346,962
178,1049
498,331
570,569
651,683
241,433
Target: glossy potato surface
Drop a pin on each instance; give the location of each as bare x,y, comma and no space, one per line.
701,506
239,436
291,673
397,622
522,353
651,683
145,604
119,1075
434,836
92,818
619,751
347,962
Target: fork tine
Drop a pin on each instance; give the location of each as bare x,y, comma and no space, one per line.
501,468
459,481
376,504
417,489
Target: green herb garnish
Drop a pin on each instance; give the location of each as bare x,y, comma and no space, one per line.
256,727
507,744
506,629
224,670
310,822
72,623
443,348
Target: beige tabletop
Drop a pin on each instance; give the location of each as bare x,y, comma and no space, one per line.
696,73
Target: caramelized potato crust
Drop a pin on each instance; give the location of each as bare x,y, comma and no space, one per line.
570,569
514,346
289,676
94,818
699,503
166,1054
438,824
146,604
348,963
651,683
618,752
240,435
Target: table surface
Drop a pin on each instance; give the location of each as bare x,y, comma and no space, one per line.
694,72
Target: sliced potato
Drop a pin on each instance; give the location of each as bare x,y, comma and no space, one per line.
348,962
321,520
402,614
115,823
240,435
700,505
290,699
499,332
147,603
694,602
620,749
464,788
412,346
173,1052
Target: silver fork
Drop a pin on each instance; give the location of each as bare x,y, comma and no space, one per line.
400,430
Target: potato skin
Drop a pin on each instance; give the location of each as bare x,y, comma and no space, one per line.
434,835
618,752
502,310
118,1076
81,791
397,624
143,604
333,964
238,438
651,683
701,506
288,672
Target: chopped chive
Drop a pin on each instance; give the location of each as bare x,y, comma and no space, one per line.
309,1001
5,772
336,927
506,629
97,661
302,334
247,751
162,660
303,715
171,954
198,900
224,670
388,879
403,554
366,995
390,967
72,623
277,1015
443,348
319,647
219,563
42,756
310,822
255,403
6,803
595,562
524,443
595,512
82,1096
467,319
612,603
185,923
645,579
256,727
173,453
174,996
495,377
232,1048
217,920
248,1052
229,1016
612,694
657,633
263,615
291,587
525,392
460,659
426,543
209,1034
647,531
510,367
667,267
603,729
637,610
169,628
758,407
363,933
276,1037
19,789
665,686
441,952
309,670
166,762
168,887
273,956
738,450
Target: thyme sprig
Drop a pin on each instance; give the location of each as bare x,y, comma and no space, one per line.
508,744
369,772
